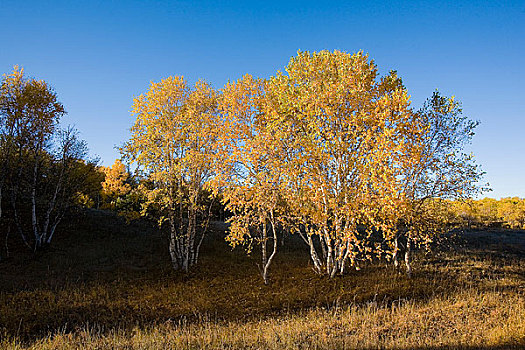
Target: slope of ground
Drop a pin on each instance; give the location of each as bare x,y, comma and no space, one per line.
105,284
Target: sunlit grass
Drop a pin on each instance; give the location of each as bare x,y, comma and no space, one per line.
468,319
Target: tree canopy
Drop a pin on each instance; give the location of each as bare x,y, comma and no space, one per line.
43,168
327,149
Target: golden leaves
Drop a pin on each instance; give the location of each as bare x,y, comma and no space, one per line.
114,184
327,141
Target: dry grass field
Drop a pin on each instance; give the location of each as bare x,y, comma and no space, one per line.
105,284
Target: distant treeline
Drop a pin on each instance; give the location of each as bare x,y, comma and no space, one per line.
488,213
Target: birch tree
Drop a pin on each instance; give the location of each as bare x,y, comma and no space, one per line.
248,170
63,176
435,166
173,141
341,124
30,113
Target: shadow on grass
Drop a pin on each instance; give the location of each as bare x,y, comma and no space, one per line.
102,272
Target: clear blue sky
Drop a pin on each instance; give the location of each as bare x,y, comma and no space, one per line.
98,55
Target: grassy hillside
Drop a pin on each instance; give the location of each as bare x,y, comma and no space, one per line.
105,284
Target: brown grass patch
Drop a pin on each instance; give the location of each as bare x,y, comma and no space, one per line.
107,285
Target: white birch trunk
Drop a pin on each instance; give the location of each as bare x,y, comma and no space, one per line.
54,226
34,222
205,230
396,252
274,250
52,203
408,257
173,243
329,256
313,254
263,251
